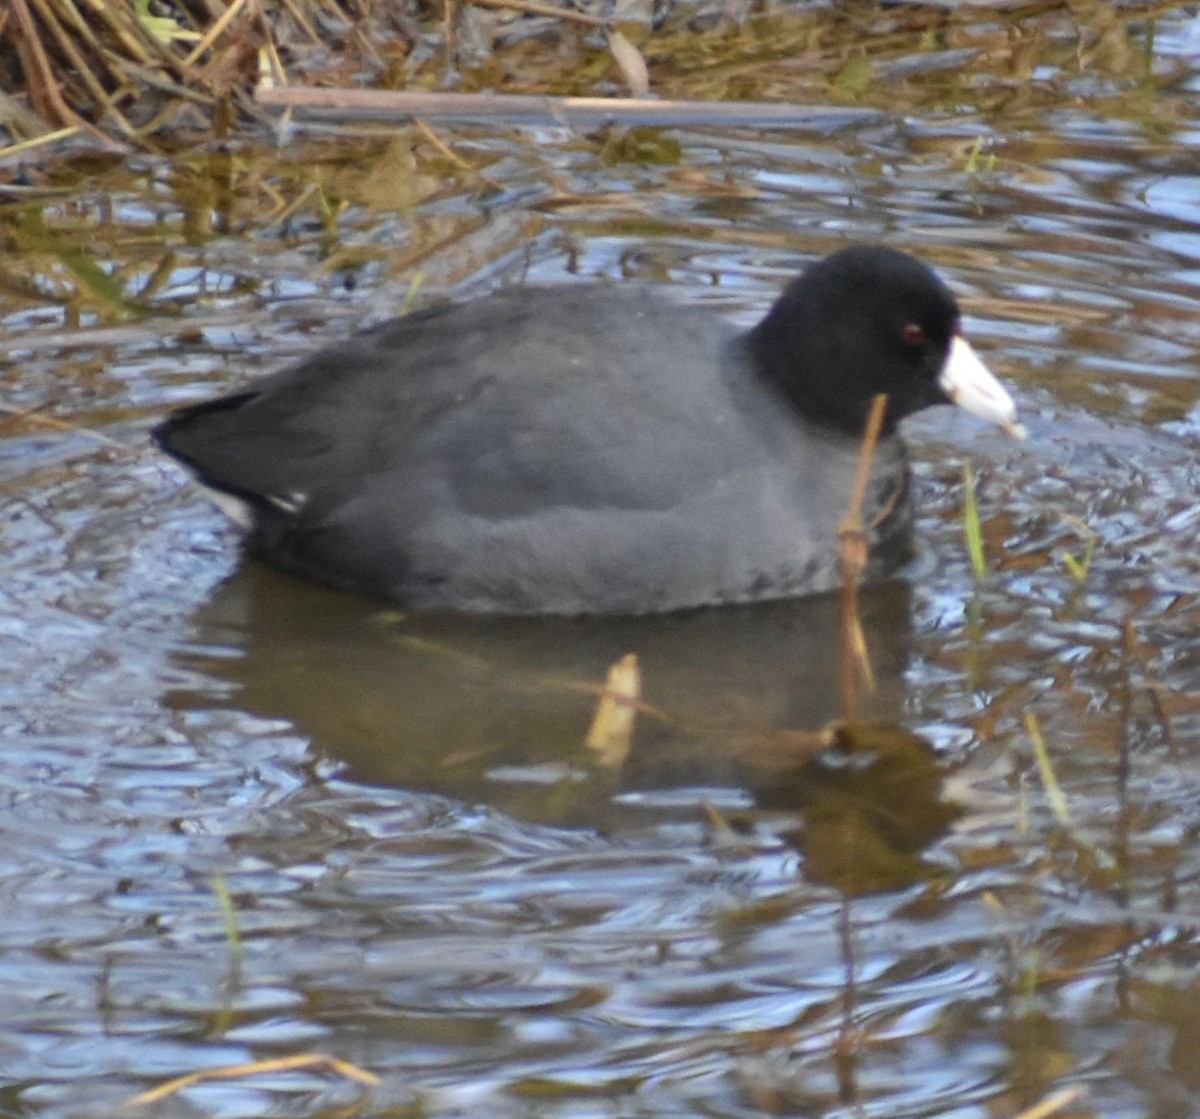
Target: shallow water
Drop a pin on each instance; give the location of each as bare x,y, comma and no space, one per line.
433,877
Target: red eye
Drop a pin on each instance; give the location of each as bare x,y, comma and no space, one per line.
912,334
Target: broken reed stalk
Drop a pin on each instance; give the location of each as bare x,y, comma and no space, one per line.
527,7
1133,652
300,1062
610,736
1053,1103
449,153
214,32
853,553
313,103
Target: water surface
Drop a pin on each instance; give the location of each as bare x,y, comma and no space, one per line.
432,876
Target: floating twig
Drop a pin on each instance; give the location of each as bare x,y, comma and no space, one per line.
348,105
529,8
299,1062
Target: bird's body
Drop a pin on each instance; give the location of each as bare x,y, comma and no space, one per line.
580,449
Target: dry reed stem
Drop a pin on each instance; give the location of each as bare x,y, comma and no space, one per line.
1134,651
449,38
300,1062
390,105
67,45
19,119
40,141
1052,1103
297,13
215,32
43,87
129,40
528,7
39,420
452,155
853,553
610,737
147,49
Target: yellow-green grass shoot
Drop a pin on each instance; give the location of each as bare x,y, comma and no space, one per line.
1058,802
1078,567
971,527
228,915
977,161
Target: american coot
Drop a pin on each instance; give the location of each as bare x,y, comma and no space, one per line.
593,449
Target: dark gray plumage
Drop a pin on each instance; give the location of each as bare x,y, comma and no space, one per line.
589,448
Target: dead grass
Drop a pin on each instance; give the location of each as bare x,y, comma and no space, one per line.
131,74
124,71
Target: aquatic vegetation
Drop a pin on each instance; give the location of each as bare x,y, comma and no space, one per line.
972,529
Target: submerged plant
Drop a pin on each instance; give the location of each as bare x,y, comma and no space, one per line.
977,162
1078,567
972,529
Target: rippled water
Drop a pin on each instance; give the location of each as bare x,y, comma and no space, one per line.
432,876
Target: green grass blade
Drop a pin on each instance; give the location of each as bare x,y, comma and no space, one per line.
228,916
1041,755
971,526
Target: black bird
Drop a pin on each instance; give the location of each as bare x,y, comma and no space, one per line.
593,448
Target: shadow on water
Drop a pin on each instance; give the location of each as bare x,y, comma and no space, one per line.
734,710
